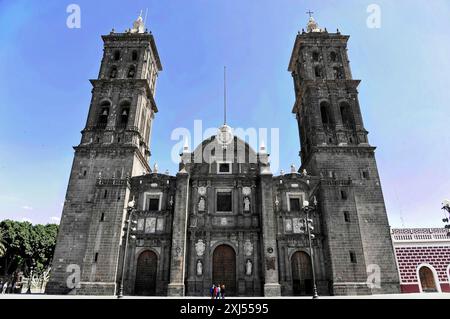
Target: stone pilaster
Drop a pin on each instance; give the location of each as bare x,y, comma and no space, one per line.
270,255
179,237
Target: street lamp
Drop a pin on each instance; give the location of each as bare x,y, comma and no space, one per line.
30,277
130,225
308,226
446,207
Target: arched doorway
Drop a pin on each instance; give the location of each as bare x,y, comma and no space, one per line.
224,268
302,283
145,284
427,281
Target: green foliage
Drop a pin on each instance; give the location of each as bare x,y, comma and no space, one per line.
26,246
2,244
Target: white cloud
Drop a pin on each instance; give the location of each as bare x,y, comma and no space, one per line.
24,219
27,207
55,220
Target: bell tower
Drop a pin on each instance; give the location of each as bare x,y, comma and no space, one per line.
115,145
335,146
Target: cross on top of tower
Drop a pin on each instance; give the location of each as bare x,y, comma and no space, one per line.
310,13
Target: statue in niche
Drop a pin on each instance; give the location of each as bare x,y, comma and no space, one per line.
199,268
246,204
248,268
201,205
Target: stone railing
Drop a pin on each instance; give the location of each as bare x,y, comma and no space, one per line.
419,234
111,182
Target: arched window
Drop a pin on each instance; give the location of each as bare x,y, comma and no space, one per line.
325,114
124,114
113,72
131,72
427,280
134,55
116,55
104,114
347,116
316,56
318,72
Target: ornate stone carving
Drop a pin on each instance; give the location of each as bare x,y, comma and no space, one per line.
202,191
200,247
248,248
246,191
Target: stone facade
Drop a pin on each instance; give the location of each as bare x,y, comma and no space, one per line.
224,218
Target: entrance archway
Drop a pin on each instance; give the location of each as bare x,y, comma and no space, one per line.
427,280
302,283
145,284
224,268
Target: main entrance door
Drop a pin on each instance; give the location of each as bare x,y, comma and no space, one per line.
224,268
301,274
145,284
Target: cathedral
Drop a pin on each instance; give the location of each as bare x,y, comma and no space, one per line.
224,218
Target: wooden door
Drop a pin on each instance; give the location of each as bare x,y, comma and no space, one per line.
146,270
302,283
224,269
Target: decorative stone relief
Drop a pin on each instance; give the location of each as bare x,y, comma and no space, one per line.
200,247
202,191
288,225
298,223
248,248
246,191
150,225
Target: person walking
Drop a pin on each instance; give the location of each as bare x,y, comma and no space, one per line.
222,291
212,291
217,294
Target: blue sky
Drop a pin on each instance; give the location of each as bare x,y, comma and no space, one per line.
45,93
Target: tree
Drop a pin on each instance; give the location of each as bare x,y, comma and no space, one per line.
2,244
27,246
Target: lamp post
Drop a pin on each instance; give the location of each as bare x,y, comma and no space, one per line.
446,207
30,278
130,226
309,210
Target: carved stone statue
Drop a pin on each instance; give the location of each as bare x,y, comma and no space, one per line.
246,204
293,169
201,204
199,268
248,268
200,247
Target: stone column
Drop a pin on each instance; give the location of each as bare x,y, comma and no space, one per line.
179,232
270,255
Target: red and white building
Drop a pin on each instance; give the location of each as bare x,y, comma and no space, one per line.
423,259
